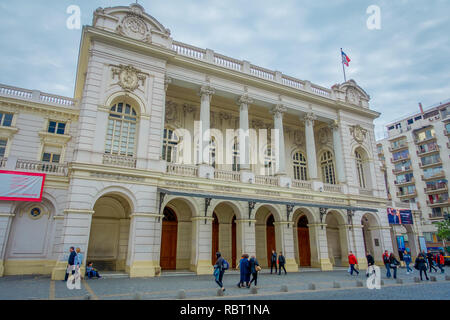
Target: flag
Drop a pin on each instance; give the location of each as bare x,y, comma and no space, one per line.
345,58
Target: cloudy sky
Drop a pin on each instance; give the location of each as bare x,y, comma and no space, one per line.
405,62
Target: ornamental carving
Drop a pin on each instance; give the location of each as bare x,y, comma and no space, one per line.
172,113
323,136
353,96
358,133
129,77
309,118
299,138
278,110
133,26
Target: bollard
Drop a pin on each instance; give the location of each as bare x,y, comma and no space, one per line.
253,290
433,278
416,279
336,284
312,286
359,283
181,294
137,296
284,288
447,278
87,297
400,281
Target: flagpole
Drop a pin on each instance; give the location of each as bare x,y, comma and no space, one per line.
343,68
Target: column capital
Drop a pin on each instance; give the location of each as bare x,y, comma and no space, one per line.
206,91
244,99
278,110
310,117
335,125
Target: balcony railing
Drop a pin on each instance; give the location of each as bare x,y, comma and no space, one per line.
435,176
399,147
266,180
34,95
182,170
438,203
426,165
402,170
44,167
407,195
120,161
332,188
302,184
400,159
401,183
426,139
429,151
435,216
227,175
436,189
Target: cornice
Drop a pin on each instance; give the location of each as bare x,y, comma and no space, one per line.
33,106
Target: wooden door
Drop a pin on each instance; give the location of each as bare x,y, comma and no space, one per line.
168,258
215,239
233,242
270,238
304,247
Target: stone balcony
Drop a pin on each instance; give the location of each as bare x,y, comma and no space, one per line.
404,183
436,190
402,170
119,161
407,195
43,167
400,159
433,177
439,203
398,148
428,165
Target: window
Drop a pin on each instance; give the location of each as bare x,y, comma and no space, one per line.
3,143
121,134
56,127
418,118
51,157
410,121
6,119
431,172
269,162
447,127
327,166
299,161
360,169
400,155
170,146
236,159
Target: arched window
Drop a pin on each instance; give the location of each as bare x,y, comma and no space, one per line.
236,158
327,166
212,152
299,162
170,145
360,169
269,162
121,134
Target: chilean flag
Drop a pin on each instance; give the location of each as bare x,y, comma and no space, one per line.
345,58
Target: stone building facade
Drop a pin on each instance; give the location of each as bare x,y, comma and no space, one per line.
124,185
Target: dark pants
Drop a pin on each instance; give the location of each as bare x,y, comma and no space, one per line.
93,273
424,270
352,268
67,275
254,278
395,271
430,263
388,269
279,269
273,264
219,281
441,267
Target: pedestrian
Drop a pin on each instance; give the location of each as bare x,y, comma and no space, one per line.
219,270
254,269
421,265
430,259
407,259
386,262
91,271
394,263
273,261
281,263
244,266
370,260
77,262
352,261
440,261
70,263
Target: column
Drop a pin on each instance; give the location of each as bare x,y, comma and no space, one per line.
285,232
318,240
5,225
358,246
77,227
310,146
201,245
278,112
144,242
206,93
338,152
244,139
246,238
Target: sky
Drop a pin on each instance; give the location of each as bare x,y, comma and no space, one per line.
404,62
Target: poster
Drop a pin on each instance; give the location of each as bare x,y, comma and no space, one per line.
401,243
399,216
423,244
21,186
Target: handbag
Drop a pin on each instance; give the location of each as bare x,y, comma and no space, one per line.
258,268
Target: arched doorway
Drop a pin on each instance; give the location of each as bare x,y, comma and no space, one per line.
109,235
270,237
372,236
337,239
215,239
304,247
168,258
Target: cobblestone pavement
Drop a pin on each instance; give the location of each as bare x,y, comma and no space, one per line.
167,286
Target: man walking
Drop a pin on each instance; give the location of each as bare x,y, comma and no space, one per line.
281,263
370,260
219,270
387,263
407,259
273,261
352,261
70,263
430,259
440,261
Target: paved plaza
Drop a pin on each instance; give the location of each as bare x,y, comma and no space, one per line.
167,286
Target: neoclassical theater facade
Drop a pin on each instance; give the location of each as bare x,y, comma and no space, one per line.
124,185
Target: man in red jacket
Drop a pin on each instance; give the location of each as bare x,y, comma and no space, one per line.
440,261
352,261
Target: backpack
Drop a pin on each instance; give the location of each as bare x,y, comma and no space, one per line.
225,265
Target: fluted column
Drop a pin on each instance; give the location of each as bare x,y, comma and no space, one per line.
205,93
278,112
310,145
244,139
338,152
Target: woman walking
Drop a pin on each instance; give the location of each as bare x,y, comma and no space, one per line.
244,266
421,265
254,268
394,263
407,259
